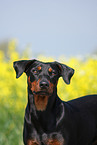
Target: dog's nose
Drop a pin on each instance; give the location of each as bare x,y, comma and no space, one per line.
44,84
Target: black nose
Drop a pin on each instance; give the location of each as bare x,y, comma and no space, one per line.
44,84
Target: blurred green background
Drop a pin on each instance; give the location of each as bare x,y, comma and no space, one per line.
13,92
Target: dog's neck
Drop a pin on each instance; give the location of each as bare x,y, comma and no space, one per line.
50,117
50,104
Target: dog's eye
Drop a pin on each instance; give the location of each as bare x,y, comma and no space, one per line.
34,71
52,73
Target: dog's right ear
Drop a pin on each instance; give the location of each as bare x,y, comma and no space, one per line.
21,66
66,72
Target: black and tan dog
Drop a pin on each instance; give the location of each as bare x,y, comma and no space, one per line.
48,120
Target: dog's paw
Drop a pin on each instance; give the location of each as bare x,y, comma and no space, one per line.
57,138
32,142
44,138
52,139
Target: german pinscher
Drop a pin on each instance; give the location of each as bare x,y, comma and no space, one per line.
48,120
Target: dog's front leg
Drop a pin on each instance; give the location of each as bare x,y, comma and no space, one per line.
30,135
34,140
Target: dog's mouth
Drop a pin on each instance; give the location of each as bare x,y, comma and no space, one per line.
41,100
42,93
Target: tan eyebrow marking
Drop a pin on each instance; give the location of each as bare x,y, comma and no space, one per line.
39,67
50,69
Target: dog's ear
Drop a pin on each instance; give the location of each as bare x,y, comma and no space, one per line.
65,71
22,66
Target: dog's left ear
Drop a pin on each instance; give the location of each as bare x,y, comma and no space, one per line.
22,66
65,71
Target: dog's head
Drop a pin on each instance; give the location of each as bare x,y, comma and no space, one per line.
42,78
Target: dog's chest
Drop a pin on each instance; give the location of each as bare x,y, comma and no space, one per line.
47,121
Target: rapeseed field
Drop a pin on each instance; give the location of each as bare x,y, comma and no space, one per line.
13,92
